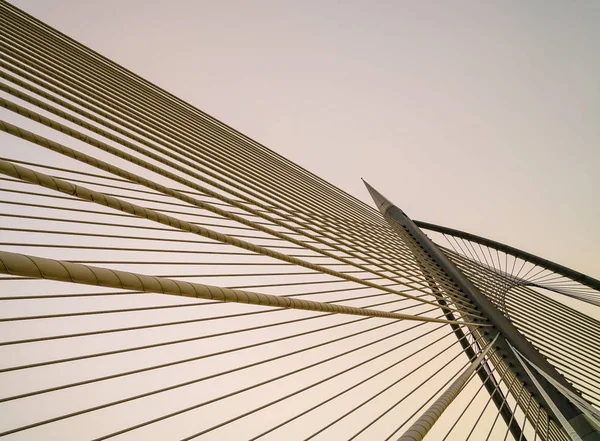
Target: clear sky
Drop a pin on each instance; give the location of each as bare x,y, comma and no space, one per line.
481,116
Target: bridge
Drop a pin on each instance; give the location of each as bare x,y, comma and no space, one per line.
164,277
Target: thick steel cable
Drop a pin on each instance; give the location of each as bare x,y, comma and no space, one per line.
389,409
472,400
146,238
230,275
122,310
145,227
104,213
437,392
330,186
418,430
149,308
333,189
145,213
50,123
108,224
61,169
172,98
37,267
51,296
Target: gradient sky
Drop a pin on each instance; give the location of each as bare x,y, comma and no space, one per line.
482,116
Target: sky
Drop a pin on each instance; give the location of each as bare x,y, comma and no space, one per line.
481,116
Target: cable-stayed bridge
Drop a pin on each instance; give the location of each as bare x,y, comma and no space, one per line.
166,277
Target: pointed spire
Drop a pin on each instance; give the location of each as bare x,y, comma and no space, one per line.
380,201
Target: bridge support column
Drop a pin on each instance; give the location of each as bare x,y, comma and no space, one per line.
509,335
425,422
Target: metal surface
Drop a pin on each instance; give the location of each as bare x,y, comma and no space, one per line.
425,422
509,334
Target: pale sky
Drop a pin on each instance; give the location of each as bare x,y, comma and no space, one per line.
482,116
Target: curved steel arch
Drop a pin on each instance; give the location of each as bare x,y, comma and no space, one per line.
557,268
